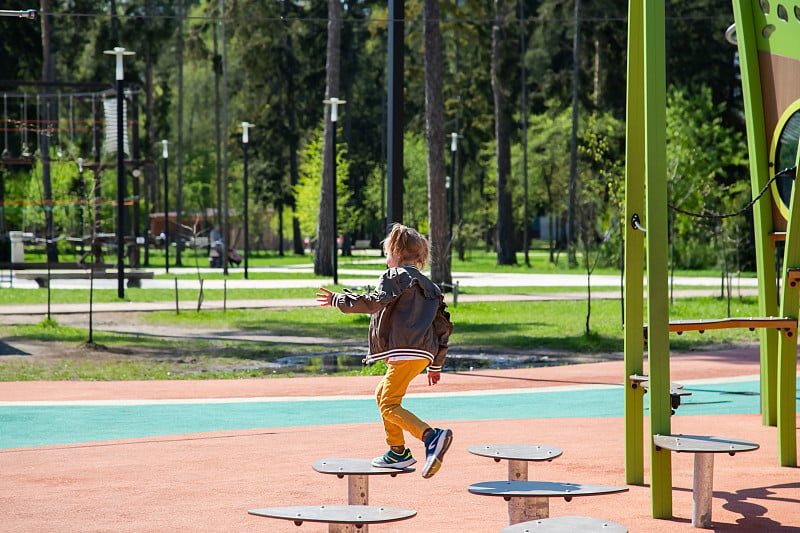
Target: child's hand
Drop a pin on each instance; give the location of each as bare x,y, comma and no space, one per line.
433,377
324,297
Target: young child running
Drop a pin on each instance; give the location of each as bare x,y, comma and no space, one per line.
410,328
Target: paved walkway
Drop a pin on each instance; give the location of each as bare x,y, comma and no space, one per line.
236,279
189,456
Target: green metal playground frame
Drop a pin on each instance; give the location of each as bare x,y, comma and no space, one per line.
768,40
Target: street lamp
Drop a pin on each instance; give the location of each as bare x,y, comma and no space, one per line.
245,141
334,103
453,150
120,52
82,182
24,14
134,261
165,156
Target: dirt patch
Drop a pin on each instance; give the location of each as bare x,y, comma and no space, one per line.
202,351
165,351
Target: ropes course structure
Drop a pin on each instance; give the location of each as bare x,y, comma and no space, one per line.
48,133
767,37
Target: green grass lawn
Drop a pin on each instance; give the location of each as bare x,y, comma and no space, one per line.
498,325
476,260
491,327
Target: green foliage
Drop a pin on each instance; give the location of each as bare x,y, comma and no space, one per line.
548,162
275,79
71,193
415,192
601,196
308,187
707,175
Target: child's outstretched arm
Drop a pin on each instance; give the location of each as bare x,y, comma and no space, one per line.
324,297
350,302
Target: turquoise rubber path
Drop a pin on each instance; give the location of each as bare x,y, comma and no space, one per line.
26,425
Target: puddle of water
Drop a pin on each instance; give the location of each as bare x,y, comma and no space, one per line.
333,363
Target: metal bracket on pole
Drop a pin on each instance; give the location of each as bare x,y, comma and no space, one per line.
636,223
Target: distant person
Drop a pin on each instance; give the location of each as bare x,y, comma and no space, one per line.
410,329
217,247
234,259
215,235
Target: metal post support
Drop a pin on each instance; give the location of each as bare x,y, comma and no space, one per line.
358,494
524,509
634,247
702,489
786,393
656,251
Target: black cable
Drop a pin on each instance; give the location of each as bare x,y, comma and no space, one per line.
790,172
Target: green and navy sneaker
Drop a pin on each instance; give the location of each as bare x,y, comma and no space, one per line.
394,460
436,445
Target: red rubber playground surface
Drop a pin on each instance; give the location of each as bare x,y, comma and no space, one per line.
206,482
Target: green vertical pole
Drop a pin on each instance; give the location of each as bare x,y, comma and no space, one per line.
762,211
787,356
655,96
634,246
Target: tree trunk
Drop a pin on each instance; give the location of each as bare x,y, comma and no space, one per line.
179,161
323,258
150,171
48,75
573,150
505,229
434,121
297,236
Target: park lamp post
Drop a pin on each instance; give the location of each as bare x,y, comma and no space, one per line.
137,239
165,156
245,141
82,182
453,150
120,52
24,14
334,103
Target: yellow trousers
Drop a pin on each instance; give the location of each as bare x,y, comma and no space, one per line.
389,395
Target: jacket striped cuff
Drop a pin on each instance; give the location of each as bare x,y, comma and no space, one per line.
408,352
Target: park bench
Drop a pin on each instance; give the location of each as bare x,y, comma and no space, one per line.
42,278
703,448
52,266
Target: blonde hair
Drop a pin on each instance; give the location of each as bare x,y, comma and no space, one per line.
407,245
